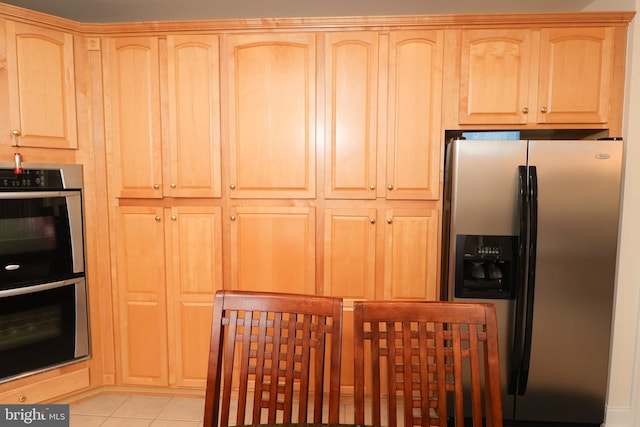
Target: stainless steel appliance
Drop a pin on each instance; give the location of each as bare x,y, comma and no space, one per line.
532,226
43,295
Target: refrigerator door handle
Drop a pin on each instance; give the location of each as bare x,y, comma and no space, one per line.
531,280
523,212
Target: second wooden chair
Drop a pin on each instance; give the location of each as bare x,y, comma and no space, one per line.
413,358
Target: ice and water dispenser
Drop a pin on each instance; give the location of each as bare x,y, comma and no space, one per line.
485,266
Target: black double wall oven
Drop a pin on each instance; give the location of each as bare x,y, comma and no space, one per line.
43,292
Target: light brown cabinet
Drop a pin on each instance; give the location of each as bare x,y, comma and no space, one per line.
132,109
350,252
141,306
194,168
351,114
408,257
41,61
271,107
415,62
168,269
273,249
194,274
547,76
140,73
383,94
411,255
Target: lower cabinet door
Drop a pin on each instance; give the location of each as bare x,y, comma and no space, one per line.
141,334
169,266
194,273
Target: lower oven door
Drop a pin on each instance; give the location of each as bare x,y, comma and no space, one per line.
42,326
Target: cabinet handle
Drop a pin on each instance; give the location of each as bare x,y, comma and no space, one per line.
389,220
525,110
22,399
16,133
390,186
232,186
157,218
156,187
372,220
372,186
543,110
173,185
233,217
174,218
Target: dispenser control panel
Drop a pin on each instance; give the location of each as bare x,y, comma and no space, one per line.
485,266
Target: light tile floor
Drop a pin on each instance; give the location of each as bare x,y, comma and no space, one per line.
115,410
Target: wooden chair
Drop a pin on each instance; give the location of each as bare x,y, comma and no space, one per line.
269,353
417,355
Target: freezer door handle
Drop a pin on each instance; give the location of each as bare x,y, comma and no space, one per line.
531,278
518,332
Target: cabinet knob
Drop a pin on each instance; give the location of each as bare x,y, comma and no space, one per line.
174,218
543,110
232,218
525,110
16,134
156,187
157,218
372,187
372,220
232,186
173,185
390,186
22,399
389,220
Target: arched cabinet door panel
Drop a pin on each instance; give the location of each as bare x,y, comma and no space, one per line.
42,94
536,77
271,105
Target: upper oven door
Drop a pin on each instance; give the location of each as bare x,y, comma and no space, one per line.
40,237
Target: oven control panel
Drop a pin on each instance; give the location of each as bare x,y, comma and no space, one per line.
31,179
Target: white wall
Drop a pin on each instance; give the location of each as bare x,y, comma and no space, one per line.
623,403
161,10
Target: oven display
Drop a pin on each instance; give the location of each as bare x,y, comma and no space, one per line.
30,179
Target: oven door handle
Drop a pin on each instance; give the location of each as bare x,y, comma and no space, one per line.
35,288
38,194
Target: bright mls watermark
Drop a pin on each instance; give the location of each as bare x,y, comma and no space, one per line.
34,415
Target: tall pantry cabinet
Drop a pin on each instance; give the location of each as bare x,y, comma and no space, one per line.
162,104
270,111
382,153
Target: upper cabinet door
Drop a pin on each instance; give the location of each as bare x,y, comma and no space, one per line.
351,93
271,87
415,63
494,76
194,117
532,77
42,97
576,67
132,92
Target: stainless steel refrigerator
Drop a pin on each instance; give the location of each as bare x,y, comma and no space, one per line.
532,226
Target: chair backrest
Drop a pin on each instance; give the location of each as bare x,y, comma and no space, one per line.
267,360
426,363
